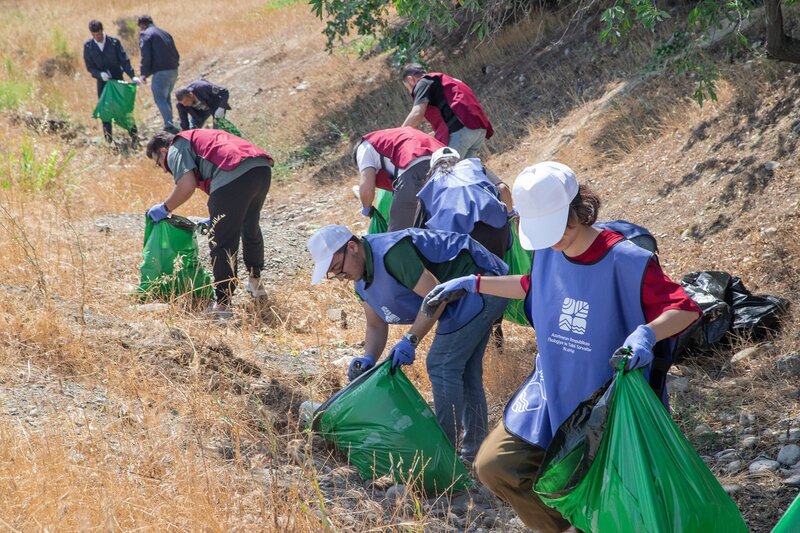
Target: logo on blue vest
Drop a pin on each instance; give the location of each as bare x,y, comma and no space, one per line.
532,396
388,316
573,316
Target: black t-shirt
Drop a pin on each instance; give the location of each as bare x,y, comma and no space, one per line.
430,91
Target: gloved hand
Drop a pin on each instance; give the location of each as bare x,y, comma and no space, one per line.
367,211
403,353
105,76
513,213
204,225
219,113
640,348
136,80
157,213
359,365
447,292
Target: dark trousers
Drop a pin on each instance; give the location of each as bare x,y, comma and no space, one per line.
235,210
134,133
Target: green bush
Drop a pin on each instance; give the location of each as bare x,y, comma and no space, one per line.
31,172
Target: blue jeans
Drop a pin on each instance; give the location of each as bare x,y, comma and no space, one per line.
455,368
162,83
467,142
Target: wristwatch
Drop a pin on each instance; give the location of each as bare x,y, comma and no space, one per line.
413,339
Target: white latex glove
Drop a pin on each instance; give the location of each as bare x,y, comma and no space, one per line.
219,113
136,80
105,76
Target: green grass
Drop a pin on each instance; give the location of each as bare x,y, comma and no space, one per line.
13,93
32,172
277,5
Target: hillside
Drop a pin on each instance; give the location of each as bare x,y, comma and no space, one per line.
119,416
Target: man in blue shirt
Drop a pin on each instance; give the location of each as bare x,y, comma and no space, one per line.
160,59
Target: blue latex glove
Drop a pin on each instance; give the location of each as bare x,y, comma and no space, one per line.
447,292
403,353
367,211
204,225
640,343
359,365
157,213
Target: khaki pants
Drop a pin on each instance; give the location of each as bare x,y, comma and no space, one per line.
508,466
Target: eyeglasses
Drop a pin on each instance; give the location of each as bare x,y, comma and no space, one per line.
332,273
159,159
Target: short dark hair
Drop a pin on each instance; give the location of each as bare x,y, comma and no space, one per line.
95,26
585,207
412,69
182,93
162,139
145,20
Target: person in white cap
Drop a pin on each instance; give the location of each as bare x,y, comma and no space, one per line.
590,291
392,272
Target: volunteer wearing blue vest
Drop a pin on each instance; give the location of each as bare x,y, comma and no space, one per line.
392,272
590,292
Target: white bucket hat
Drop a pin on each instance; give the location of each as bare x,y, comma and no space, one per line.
444,152
322,245
542,194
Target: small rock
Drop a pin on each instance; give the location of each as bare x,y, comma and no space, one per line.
791,435
789,364
747,353
703,429
763,465
733,467
789,455
686,234
396,493
452,518
771,165
746,419
677,384
302,86
748,443
725,455
768,232
731,488
792,481
152,308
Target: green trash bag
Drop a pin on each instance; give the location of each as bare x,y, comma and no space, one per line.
386,428
518,260
170,261
379,223
226,125
116,104
619,463
790,522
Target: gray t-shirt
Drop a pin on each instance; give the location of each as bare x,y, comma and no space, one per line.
182,158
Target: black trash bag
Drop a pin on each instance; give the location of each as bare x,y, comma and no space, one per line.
574,446
727,306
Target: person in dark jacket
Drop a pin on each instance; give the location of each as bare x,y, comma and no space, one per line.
236,175
106,59
160,59
198,101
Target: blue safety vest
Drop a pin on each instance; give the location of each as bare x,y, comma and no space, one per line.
397,304
581,313
456,199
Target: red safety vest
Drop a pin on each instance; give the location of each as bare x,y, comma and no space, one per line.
401,146
464,104
223,149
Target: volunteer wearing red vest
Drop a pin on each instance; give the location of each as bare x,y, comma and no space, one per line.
396,160
451,108
236,175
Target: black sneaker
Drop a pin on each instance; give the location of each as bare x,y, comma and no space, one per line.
172,129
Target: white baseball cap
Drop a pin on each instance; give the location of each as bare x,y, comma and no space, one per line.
322,245
444,152
542,194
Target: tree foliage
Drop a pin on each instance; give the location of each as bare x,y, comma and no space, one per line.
408,28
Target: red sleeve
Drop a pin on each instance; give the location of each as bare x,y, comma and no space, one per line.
525,281
660,294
